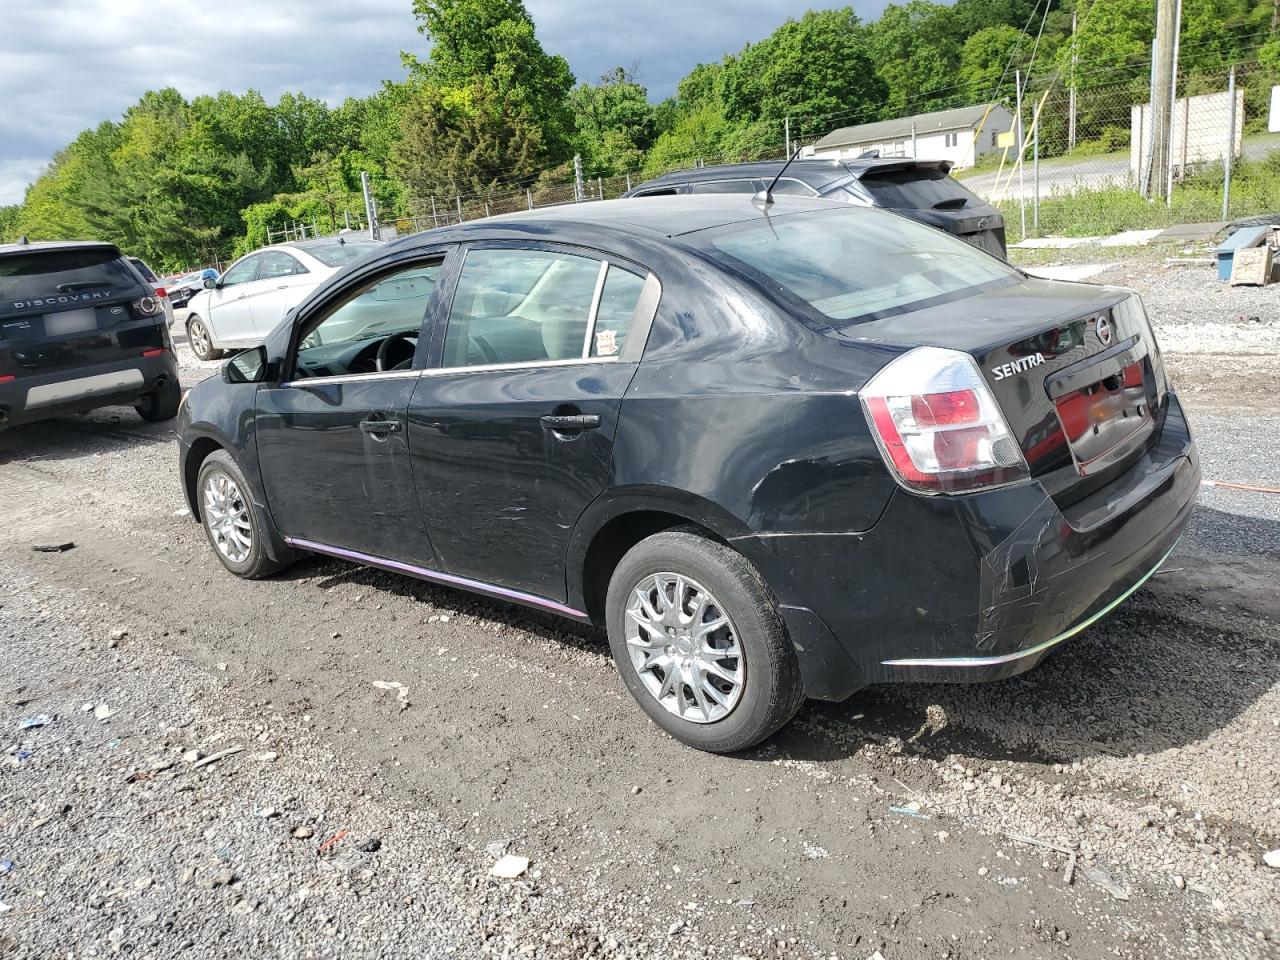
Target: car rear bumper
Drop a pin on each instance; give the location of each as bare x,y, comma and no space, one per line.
978,587
76,389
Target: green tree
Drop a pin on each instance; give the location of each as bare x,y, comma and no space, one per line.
814,67
917,57
990,57
614,122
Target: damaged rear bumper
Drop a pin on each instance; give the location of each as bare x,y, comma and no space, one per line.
979,587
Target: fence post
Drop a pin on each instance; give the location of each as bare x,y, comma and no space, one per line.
577,178
628,183
1035,171
1231,143
486,208
369,214
1022,193
434,221
599,188
528,197
1071,104
459,208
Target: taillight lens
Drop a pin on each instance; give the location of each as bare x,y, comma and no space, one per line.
148,306
938,425
161,292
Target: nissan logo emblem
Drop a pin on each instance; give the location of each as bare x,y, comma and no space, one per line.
1103,326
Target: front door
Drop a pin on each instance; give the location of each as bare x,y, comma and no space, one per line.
230,318
332,438
512,431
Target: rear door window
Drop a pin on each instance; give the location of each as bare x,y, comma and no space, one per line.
277,264
726,186
917,188
341,252
525,306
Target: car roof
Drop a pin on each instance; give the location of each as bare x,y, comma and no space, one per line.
813,173
639,216
31,247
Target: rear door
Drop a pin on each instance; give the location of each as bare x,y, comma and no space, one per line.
512,430
230,315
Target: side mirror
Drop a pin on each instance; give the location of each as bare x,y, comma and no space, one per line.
251,366
210,283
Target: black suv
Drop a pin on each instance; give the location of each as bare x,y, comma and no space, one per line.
777,450
79,329
920,189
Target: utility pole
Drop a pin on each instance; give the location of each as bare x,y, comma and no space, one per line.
1022,193
577,178
786,127
1071,105
1160,110
1173,97
370,212
1229,156
914,153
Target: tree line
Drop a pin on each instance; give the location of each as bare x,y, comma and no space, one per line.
183,182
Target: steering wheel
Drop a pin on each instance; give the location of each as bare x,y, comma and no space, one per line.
384,350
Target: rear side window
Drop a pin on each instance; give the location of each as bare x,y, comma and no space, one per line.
857,264
49,275
917,188
618,302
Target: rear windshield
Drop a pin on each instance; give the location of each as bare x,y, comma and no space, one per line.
51,274
917,188
857,264
340,254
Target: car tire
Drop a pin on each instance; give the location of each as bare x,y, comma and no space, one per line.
230,521
199,339
161,403
759,688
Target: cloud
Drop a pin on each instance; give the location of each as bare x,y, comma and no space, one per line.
70,64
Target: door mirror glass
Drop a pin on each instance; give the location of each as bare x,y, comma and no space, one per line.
210,283
247,367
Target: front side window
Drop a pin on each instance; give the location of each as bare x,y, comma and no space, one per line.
372,328
278,264
521,306
855,264
242,272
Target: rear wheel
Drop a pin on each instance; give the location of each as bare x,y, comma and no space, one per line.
229,519
700,644
201,342
161,403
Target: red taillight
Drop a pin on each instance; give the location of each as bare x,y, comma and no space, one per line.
161,292
938,425
945,409
8,378
155,352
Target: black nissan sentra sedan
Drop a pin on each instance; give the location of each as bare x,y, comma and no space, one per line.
777,449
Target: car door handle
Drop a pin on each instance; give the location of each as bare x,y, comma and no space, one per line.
579,421
379,428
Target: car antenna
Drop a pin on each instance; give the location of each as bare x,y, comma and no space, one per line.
765,196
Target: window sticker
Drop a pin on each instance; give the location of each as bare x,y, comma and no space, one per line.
606,343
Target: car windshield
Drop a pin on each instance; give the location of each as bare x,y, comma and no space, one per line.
341,252
917,188
857,264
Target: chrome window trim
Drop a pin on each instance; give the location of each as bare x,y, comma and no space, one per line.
595,308
353,378
522,365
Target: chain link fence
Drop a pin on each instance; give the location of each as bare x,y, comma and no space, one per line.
1078,162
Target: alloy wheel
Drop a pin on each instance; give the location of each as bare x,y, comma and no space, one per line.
226,515
685,648
199,338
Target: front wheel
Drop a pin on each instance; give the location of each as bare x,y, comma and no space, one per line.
201,342
229,519
161,403
700,644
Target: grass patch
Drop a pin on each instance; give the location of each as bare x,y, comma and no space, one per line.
1198,198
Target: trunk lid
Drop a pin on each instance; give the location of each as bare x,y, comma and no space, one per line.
1074,368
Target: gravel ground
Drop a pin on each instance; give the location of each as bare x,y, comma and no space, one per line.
1149,743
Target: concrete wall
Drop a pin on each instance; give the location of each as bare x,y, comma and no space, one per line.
1200,133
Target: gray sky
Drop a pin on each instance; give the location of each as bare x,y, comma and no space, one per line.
70,64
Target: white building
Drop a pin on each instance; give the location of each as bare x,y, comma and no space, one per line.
960,135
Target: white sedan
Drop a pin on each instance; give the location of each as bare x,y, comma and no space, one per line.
242,306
